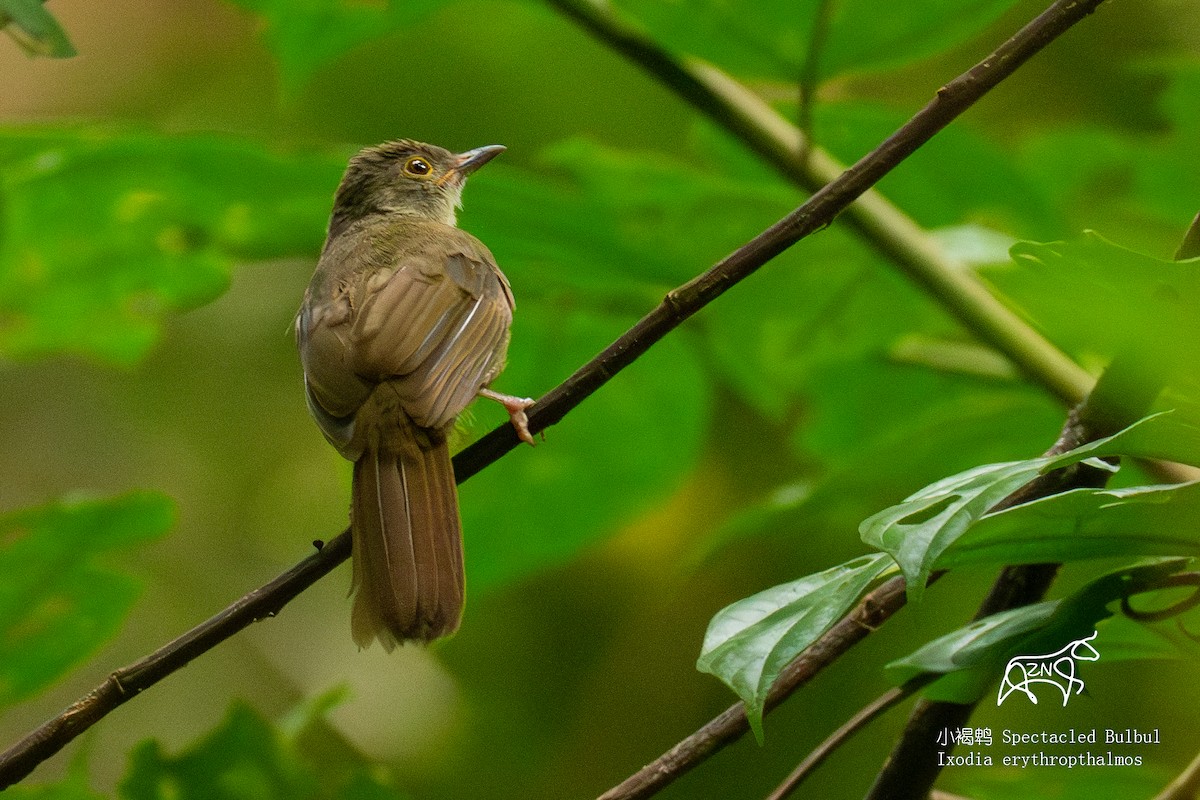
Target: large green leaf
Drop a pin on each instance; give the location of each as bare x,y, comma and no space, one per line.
771,38
1096,300
970,658
958,177
307,35
102,234
749,643
61,597
1108,178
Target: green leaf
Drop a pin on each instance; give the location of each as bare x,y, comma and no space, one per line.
918,530
60,599
248,758
1083,524
771,38
1097,300
971,658
35,28
929,523
749,643
103,234
1124,179
1167,436
307,35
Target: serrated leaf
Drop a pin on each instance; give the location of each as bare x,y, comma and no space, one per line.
61,599
749,642
918,530
1096,299
971,658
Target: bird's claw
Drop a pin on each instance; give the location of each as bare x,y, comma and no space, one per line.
515,406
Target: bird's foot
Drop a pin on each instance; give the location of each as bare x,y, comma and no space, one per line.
515,406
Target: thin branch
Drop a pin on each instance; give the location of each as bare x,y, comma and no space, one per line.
127,682
819,211
871,612
861,718
880,224
810,77
1186,785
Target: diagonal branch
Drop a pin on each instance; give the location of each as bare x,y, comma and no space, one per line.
818,212
1186,785
849,728
880,224
871,612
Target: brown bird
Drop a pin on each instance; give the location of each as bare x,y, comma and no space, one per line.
405,322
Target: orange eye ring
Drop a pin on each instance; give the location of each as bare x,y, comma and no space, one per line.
417,167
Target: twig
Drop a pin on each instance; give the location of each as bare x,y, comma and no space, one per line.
1186,785
839,737
881,225
127,682
810,77
871,612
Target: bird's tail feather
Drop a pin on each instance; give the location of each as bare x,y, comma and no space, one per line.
408,560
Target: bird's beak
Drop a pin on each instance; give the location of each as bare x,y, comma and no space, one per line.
468,162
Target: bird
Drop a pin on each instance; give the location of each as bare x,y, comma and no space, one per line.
405,322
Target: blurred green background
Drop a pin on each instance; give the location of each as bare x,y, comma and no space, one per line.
164,196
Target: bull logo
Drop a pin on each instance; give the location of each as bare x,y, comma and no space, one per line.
1056,669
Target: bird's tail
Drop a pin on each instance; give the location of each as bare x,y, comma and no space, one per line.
408,558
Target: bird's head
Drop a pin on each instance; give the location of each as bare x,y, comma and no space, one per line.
406,177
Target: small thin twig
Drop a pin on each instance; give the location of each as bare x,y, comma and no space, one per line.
861,718
810,77
1191,579
871,612
1186,785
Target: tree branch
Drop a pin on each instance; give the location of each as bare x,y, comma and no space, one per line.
842,735
880,224
1186,786
819,211
871,612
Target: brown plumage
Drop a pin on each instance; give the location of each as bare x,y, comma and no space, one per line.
405,321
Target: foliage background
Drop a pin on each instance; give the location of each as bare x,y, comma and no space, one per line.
740,454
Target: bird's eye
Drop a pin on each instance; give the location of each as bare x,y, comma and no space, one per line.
417,167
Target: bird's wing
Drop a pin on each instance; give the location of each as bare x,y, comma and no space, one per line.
428,312
436,327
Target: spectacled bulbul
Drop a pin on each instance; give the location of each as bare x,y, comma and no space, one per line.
406,320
